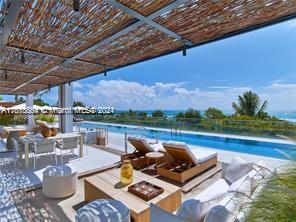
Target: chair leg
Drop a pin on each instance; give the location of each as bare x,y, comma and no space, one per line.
86,148
55,156
35,160
61,157
15,158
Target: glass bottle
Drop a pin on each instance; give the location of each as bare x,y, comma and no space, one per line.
126,172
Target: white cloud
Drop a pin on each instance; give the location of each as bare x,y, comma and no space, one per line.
292,23
77,85
280,97
124,94
219,87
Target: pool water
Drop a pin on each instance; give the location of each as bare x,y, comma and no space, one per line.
268,149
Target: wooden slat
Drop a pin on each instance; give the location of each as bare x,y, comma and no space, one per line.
139,44
198,180
204,20
100,33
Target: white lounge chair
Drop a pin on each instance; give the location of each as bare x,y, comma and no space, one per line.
185,163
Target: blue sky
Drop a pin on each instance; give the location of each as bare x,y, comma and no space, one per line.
210,75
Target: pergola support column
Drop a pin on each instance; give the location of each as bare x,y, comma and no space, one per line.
29,103
66,101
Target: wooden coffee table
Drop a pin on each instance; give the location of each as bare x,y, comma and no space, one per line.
106,185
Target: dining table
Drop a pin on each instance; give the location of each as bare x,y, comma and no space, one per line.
7,131
30,139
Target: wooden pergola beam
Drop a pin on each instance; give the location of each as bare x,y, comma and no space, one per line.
149,21
10,20
106,40
55,56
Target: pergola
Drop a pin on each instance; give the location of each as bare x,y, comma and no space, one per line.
45,43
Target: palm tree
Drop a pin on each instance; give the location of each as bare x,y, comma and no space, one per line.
249,105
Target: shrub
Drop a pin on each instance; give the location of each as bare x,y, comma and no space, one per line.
6,120
277,199
158,113
214,113
46,118
192,114
142,114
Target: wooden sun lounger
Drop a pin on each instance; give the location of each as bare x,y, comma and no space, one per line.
138,157
182,166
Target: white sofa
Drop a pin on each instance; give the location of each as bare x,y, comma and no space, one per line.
223,200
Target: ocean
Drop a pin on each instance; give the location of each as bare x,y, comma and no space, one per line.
285,115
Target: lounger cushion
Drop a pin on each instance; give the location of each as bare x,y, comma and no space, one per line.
157,214
143,141
236,169
203,155
196,155
137,137
157,147
176,143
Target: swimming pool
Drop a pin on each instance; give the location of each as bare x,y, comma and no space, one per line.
261,148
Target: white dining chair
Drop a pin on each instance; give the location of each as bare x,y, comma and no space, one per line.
43,146
70,143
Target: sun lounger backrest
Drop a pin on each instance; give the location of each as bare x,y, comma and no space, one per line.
140,144
180,152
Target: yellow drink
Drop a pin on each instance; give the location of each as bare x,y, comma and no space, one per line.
126,172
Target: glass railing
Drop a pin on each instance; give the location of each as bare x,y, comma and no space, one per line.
260,128
164,129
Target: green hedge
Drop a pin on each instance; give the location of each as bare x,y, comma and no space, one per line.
233,125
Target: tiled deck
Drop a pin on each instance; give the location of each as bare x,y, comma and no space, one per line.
12,179
15,202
